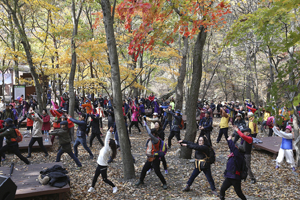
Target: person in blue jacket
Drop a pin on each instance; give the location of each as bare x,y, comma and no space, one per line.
81,134
175,130
233,170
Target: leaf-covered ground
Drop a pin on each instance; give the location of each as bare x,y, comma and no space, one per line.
271,184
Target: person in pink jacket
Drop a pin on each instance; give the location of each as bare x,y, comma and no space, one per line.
46,122
134,118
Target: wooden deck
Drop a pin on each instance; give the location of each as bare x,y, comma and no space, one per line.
270,144
25,177
25,142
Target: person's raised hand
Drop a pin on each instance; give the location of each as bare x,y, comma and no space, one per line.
229,138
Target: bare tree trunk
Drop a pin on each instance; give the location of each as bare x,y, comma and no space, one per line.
75,20
13,46
128,167
194,91
248,74
182,72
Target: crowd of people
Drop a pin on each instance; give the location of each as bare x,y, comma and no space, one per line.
91,112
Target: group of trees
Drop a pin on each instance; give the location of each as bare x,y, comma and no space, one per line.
201,49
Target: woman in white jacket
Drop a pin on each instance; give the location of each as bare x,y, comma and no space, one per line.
109,149
36,133
286,148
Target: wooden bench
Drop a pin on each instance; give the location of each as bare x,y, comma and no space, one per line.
25,177
270,144
25,142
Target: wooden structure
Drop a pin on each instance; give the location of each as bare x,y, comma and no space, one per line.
25,142
270,144
25,177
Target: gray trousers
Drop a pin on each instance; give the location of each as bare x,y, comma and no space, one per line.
248,163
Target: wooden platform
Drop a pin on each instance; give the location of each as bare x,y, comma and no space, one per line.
270,144
25,177
25,142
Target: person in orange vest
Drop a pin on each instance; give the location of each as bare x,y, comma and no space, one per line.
88,107
56,121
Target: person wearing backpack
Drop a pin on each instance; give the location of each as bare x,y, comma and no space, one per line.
247,142
201,162
233,170
36,133
175,129
81,134
10,134
152,160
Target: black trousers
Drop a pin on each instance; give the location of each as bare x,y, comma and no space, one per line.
40,141
221,132
103,171
172,134
14,147
237,187
155,164
93,135
270,132
136,124
1,144
100,122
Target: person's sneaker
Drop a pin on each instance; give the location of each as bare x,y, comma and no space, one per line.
115,189
293,168
187,188
29,156
46,155
166,171
214,192
91,157
91,189
140,133
139,183
149,171
165,186
2,159
276,167
253,181
78,168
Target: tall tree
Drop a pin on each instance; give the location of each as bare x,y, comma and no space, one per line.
108,17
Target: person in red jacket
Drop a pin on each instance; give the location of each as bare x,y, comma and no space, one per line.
151,97
46,122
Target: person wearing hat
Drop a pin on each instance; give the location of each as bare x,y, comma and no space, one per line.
95,129
36,133
64,140
81,134
233,169
7,113
247,142
205,126
286,147
11,144
241,124
175,130
153,120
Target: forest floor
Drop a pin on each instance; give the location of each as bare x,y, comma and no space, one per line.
282,183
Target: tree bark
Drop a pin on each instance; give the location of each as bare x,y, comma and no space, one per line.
182,72
194,90
248,74
128,167
74,57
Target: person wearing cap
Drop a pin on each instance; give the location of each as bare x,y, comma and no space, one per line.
175,130
233,169
223,125
237,104
153,120
212,106
252,125
95,129
7,113
10,134
81,134
205,126
134,118
247,142
168,117
64,140
241,124
286,147
36,133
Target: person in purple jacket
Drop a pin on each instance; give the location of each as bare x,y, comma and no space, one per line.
233,170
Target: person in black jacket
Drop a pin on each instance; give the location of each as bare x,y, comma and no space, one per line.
205,125
241,124
95,130
110,117
219,109
175,130
202,152
233,170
